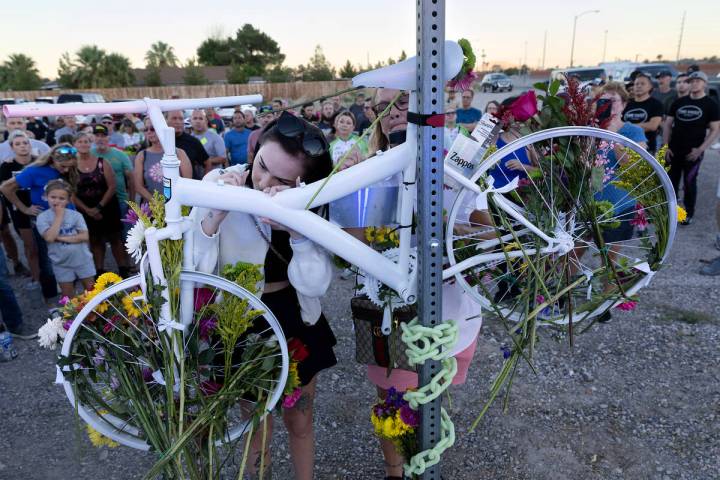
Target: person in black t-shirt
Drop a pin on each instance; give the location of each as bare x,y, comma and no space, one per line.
644,110
191,145
691,126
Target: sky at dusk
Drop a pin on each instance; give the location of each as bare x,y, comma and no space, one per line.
510,32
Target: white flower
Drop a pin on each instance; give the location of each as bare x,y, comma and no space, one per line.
50,333
271,342
134,242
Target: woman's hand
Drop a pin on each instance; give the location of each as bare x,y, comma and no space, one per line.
352,158
32,210
211,223
516,165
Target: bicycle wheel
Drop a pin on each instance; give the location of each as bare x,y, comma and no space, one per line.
115,356
605,203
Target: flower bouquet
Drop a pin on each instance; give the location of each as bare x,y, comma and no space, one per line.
187,393
394,420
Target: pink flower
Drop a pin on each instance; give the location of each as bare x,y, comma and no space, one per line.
640,220
207,325
464,83
290,400
540,299
64,300
627,306
524,107
203,296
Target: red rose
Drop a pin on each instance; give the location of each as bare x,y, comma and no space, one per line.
203,297
298,350
524,107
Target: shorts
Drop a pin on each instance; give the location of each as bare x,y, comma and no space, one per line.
405,379
65,274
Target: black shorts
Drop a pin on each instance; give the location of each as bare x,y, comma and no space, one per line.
319,338
109,225
19,219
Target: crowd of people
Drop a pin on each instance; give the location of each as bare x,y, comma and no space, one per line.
65,189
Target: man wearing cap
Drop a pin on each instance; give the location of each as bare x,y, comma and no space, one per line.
120,163
70,127
644,110
213,143
114,138
664,91
691,126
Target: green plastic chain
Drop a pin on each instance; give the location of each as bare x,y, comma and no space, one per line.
434,343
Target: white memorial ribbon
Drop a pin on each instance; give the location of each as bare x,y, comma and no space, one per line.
159,378
165,324
649,273
481,202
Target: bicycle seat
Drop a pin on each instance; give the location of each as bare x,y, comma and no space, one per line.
403,75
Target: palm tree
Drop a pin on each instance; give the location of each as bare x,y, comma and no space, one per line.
161,55
19,72
89,66
117,71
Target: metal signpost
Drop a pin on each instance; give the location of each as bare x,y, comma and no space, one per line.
430,81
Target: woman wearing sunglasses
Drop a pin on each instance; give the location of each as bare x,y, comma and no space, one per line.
59,162
457,305
296,272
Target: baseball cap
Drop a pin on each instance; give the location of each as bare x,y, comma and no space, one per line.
663,73
701,75
693,68
100,129
265,109
107,116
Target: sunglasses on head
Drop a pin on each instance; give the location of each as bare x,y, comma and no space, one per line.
66,151
401,104
313,141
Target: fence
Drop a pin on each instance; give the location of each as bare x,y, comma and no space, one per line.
290,90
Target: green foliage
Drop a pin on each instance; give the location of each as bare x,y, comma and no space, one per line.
403,56
19,72
347,71
161,55
318,68
93,67
152,77
250,47
194,74
279,74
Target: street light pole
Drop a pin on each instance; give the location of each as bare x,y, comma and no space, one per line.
572,44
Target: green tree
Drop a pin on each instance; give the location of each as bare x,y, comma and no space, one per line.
194,74
403,56
93,67
318,68
347,71
161,55
279,74
250,47
19,72
152,77
237,73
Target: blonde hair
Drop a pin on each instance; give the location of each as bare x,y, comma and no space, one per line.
616,87
44,160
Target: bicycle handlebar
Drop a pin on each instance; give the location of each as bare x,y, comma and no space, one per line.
135,106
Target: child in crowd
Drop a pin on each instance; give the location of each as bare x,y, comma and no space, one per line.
66,233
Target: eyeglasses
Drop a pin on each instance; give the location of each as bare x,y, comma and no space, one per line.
150,129
313,142
107,122
66,151
401,104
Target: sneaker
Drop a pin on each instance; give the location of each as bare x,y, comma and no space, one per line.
21,332
687,221
31,285
715,146
712,269
21,270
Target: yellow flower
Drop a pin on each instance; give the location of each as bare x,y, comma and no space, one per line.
681,214
98,439
106,279
370,234
102,308
131,305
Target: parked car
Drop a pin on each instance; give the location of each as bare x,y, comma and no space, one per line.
45,99
496,82
80,98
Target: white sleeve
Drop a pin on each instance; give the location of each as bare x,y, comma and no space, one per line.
310,271
205,248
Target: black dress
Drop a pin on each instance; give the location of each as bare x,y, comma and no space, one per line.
318,338
91,187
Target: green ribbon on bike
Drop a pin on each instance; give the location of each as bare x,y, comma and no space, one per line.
432,343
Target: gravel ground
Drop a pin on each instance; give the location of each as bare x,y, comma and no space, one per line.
637,398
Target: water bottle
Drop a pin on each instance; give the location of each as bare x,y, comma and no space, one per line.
7,349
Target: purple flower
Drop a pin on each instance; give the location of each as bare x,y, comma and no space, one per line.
67,324
207,326
132,217
506,351
99,357
409,416
147,374
114,383
64,300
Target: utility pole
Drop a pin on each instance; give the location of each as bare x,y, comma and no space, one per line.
525,58
483,65
682,30
542,65
572,44
604,46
